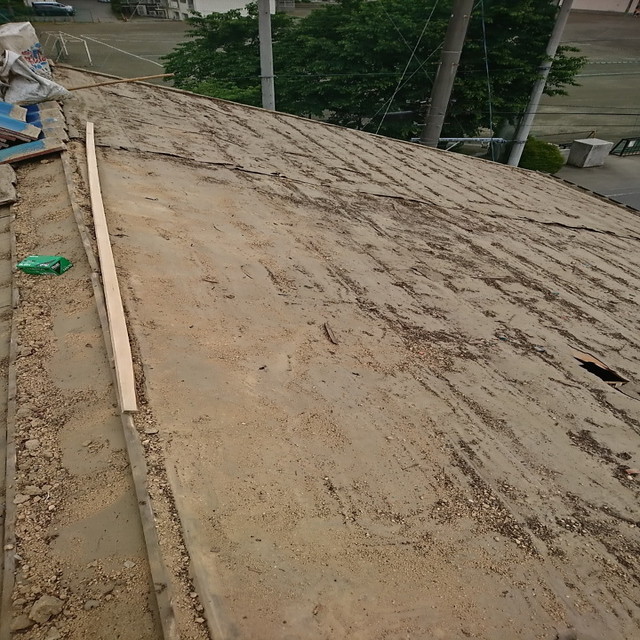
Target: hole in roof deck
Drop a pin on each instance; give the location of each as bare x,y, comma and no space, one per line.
599,369
610,377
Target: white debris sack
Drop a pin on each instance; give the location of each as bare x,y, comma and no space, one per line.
21,85
21,38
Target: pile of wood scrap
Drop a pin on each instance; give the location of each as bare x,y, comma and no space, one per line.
26,132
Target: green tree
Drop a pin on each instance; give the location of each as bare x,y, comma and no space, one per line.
222,57
354,62
344,62
10,10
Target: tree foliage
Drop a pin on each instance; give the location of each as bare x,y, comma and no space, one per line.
355,62
222,57
14,9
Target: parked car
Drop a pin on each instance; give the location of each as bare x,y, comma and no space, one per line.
52,9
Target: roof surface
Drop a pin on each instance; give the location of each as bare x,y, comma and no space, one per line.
358,353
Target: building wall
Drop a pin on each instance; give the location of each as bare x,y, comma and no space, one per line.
620,6
205,7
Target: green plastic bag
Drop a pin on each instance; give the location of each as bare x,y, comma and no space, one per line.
43,265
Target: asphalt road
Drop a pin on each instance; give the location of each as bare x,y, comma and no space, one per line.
606,104
607,100
618,179
126,49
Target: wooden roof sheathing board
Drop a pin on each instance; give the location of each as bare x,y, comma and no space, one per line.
442,466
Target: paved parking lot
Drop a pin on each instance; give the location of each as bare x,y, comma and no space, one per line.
127,49
618,179
609,84
86,11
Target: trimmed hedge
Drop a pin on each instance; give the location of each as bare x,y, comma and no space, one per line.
541,156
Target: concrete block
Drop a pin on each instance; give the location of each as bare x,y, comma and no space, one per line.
590,152
7,184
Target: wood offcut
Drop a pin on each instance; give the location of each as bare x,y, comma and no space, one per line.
330,334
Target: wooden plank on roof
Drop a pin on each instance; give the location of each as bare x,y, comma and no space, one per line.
123,360
13,111
19,128
27,150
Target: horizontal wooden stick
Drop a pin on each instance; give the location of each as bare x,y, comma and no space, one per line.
140,78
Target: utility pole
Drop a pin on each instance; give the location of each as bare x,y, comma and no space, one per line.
441,92
266,55
526,122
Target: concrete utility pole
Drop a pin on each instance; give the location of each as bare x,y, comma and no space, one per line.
526,123
441,92
266,55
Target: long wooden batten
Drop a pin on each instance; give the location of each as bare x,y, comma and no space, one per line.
123,361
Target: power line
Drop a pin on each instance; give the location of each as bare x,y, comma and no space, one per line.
433,53
404,73
621,73
360,74
569,42
395,26
570,113
486,64
582,106
606,126
413,74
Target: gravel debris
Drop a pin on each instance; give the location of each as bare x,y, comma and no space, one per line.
21,622
44,608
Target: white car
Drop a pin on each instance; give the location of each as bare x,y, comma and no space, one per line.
52,9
